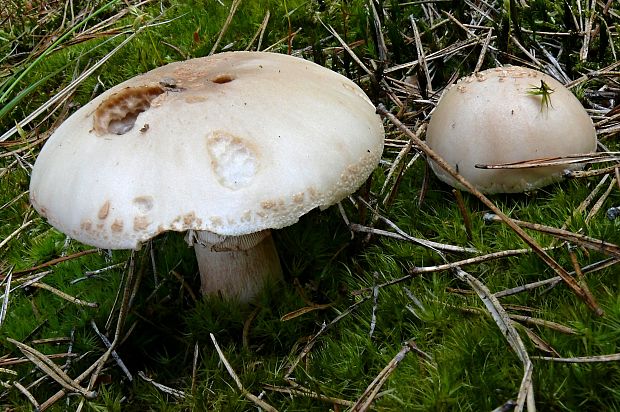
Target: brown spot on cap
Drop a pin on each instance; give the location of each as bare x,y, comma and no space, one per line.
140,223
313,193
298,197
246,216
117,226
223,78
268,204
86,225
195,99
105,209
189,218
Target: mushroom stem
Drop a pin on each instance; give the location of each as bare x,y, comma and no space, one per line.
236,267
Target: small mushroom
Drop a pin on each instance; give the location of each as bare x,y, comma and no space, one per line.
225,147
504,115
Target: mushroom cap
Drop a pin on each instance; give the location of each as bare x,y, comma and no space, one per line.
233,144
492,117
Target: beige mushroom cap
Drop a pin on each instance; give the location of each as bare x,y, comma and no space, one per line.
232,144
492,117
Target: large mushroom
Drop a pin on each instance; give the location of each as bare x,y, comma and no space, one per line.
505,115
225,147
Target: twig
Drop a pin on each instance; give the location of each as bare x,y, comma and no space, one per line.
464,213
583,206
27,394
443,53
537,340
52,370
298,390
577,268
525,51
508,406
306,309
345,218
166,389
195,368
5,300
64,295
153,265
582,240
470,261
95,368
68,89
246,328
233,9
398,168
251,397
325,326
184,284
55,261
526,392
421,56
586,158
92,273
3,172
50,341
15,199
15,233
114,354
545,323
348,49
369,395
599,203
419,241
556,279
587,32
67,364
519,318
585,359
375,298
446,266
380,40
592,74
259,33
485,46
422,242
20,361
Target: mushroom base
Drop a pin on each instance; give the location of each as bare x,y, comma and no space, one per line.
236,267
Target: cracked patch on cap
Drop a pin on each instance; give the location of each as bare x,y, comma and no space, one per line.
234,161
118,113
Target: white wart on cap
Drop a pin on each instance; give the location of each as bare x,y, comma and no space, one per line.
231,144
492,117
